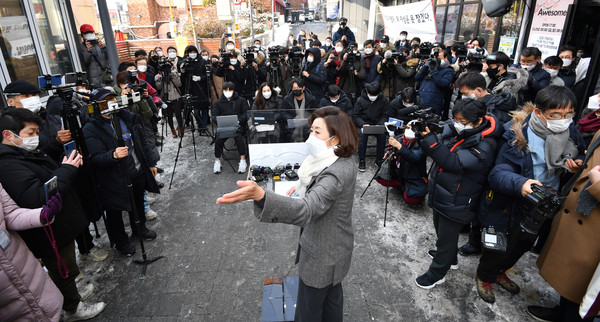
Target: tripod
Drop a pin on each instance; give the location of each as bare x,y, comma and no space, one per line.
188,107
352,79
116,124
167,79
389,158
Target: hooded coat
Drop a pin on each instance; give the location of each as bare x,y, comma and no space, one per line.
501,105
237,105
343,103
367,112
462,162
317,74
26,292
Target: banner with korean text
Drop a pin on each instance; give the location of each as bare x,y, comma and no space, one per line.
417,18
547,25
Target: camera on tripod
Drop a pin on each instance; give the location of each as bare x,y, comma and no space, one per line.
475,54
226,57
295,57
135,84
250,54
539,206
351,58
424,119
425,50
164,65
275,54
461,50
392,56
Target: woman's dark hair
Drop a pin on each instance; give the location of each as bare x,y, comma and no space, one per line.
260,99
124,65
554,96
480,41
14,119
408,93
341,125
229,85
471,110
157,48
123,77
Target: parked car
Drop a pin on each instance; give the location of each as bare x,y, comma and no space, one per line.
301,18
311,18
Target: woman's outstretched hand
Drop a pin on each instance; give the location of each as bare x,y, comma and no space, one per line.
249,191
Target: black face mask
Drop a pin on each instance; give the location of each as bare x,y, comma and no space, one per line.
492,72
297,92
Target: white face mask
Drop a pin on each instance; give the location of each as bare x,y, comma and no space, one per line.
409,134
339,49
528,67
159,53
228,94
408,104
142,68
461,127
444,64
383,45
368,51
233,61
267,95
193,55
472,96
172,55
402,38
316,146
230,47
205,57
32,103
310,59
566,62
372,98
328,43
334,100
558,126
29,144
90,36
552,72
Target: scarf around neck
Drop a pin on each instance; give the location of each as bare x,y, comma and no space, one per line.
557,144
368,59
312,166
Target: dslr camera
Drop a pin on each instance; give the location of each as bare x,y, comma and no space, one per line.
135,83
539,206
423,118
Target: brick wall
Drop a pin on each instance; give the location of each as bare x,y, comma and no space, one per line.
145,13
127,48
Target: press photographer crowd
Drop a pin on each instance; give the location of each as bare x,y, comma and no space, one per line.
493,148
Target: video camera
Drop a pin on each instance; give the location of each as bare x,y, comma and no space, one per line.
250,54
351,58
136,85
423,119
539,206
295,57
226,57
392,55
275,54
475,54
425,50
165,65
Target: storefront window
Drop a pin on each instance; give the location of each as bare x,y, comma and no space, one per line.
53,35
451,22
16,43
440,20
487,30
511,25
468,22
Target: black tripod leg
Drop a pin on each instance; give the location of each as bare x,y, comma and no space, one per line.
176,159
371,181
96,229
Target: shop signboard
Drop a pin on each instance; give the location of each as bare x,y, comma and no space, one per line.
547,25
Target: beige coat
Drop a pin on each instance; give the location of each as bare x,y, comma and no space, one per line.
572,252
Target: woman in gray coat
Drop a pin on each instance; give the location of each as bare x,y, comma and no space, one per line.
324,211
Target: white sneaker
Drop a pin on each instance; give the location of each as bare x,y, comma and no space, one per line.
150,200
84,311
217,167
242,166
96,254
150,215
79,277
87,290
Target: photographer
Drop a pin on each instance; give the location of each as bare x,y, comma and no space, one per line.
23,174
538,78
344,34
217,89
278,73
463,155
314,73
410,165
335,97
231,103
141,54
328,44
333,61
101,138
472,85
370,109
435,76
253,72
370,61
404,105
95,57
168,82
194,82
298,104
397,72
229,67
383,46
541,145
141,65
351,72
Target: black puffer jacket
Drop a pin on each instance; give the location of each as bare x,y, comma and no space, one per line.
23,175
236,106
102,142
399,111
343,103
462,163
500,105
367,112
317,74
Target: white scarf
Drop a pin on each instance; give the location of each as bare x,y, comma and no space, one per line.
311,167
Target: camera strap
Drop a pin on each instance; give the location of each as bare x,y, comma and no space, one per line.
104,68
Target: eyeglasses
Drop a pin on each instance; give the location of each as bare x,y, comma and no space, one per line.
558,116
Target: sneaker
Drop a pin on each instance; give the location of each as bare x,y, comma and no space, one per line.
424,281
96,254
540,313
126,248
150,200
84,311
86,291
242,166
150,215
432,252
217,167
486,291
507,284
146,233
469,249
79,277
361,166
